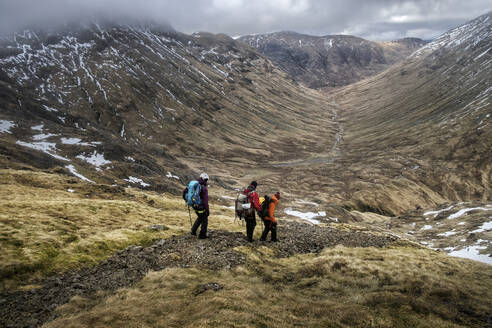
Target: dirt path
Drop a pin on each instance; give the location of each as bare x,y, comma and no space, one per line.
35,307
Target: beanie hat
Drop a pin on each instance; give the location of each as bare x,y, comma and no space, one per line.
254,184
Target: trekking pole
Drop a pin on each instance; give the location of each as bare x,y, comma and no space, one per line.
189,213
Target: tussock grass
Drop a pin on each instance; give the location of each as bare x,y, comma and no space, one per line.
46,229
341,287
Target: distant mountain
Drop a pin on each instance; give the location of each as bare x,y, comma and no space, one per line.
131,104
332,60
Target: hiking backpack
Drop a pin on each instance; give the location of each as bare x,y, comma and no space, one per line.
193,195
243,204
264,207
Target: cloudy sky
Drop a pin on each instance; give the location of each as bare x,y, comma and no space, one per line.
370,19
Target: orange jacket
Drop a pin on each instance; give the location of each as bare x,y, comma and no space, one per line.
271,209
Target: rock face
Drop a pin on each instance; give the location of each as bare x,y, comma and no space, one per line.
332,60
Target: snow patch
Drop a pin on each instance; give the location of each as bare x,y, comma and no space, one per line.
137,181
473,253
437,212
43,136
466,210
307,216
50,109
5,126
426,227
307,203
170,175
95,159
483,53
75,141
447,233
46,147
72,170
484,227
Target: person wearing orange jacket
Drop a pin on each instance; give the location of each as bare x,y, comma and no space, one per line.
269,221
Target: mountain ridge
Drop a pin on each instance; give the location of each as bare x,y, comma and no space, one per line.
330,60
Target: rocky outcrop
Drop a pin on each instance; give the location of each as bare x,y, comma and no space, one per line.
332,60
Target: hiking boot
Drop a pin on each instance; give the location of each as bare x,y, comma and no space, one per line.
262,239
193,233
202,237
274,240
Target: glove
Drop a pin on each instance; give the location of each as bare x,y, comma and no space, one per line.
207,212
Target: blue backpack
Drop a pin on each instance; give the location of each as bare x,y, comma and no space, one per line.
193,195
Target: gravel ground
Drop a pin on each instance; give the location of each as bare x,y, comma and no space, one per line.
34,307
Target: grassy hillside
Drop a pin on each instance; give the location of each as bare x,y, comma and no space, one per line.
373,280
398,286
51,223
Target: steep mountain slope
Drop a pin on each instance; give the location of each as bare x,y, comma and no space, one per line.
419,133
332,60
133,103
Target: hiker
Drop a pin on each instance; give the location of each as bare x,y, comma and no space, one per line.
196,195
269,220
249,216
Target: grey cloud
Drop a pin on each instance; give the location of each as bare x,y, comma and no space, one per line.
374,19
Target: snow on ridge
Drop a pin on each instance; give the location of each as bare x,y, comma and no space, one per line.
5,126
470,33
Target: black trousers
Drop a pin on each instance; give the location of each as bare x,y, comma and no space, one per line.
202,220
250,226
269,226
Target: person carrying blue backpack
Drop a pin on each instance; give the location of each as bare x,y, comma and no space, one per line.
196,196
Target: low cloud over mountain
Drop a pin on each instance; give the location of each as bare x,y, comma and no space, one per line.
379,19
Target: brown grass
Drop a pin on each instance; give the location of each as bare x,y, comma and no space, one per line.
342,287
44,228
